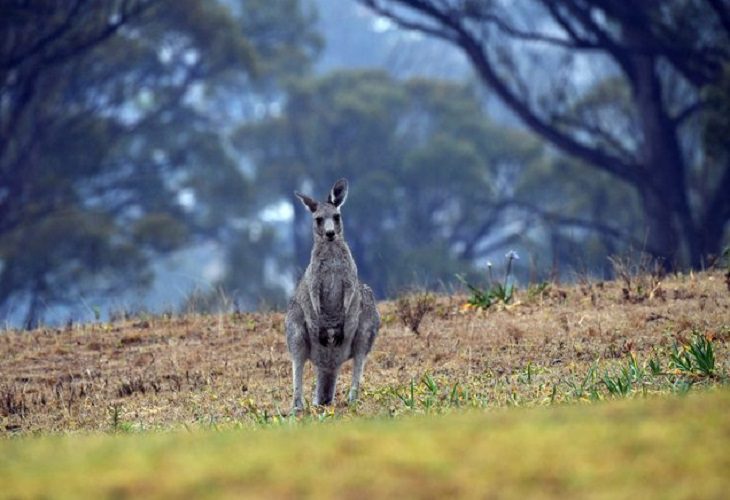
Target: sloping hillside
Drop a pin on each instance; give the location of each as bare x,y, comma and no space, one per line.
554,344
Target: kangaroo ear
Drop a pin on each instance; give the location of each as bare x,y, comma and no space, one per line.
338,194
307,201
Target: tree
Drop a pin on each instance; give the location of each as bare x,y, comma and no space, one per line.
111,149
431,177
616,85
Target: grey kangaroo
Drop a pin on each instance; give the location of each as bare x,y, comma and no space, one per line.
332,316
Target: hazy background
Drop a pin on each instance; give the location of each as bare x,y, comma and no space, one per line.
149,148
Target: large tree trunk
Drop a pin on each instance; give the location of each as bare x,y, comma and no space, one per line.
715,217
670,226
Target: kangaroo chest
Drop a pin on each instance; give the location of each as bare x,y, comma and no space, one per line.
335,279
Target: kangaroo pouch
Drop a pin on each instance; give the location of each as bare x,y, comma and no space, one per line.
331,335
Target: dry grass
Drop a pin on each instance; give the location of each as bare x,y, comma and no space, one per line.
213,370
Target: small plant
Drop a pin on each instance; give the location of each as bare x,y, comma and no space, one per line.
539,290
12,402
587,387
696,357
116,423
408,399
455,395
655,367
528,373
412,308
680,360
433,392
617,385
496,292
632,375
642,277
259,416
634,371
480,299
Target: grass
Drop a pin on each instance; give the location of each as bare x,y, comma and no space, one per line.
649,448
565,344
479,403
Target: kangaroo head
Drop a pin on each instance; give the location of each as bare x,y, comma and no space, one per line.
326,219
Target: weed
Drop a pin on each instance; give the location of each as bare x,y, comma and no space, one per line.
538,291
641,276
655,367
702,354
696,358
116,423
587,386
528,373
408,400
455,396
412,308
495,292
617,385
12,402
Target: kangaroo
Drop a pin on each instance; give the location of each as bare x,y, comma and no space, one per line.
332,316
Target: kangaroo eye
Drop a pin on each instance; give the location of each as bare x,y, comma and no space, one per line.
336,217
319,221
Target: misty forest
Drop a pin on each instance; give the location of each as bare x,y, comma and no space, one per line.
149,149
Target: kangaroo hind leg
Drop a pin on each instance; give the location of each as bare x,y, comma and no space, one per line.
326,385
298,344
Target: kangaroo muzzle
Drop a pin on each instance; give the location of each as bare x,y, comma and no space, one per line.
329,228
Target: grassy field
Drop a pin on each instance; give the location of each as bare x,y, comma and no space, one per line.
655,448
488,402
552,345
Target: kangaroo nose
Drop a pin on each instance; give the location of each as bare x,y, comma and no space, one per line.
329,228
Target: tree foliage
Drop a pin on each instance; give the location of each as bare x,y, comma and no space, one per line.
112,149
616,85
433,180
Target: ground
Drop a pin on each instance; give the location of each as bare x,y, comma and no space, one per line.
153,372
436,412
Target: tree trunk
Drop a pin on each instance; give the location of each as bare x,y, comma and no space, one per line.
662,185
716,215
661,235
711,234
301,251
32,314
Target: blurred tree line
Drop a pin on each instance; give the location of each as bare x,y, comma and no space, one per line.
620,86
113,124
131,129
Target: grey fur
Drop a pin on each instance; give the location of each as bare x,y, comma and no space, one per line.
332,316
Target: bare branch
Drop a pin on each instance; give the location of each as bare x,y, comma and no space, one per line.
476,52
688,112
407,24
572,221
44,41
70,22
723,12
596,131
566,43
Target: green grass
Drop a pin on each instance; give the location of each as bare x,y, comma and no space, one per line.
671,447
